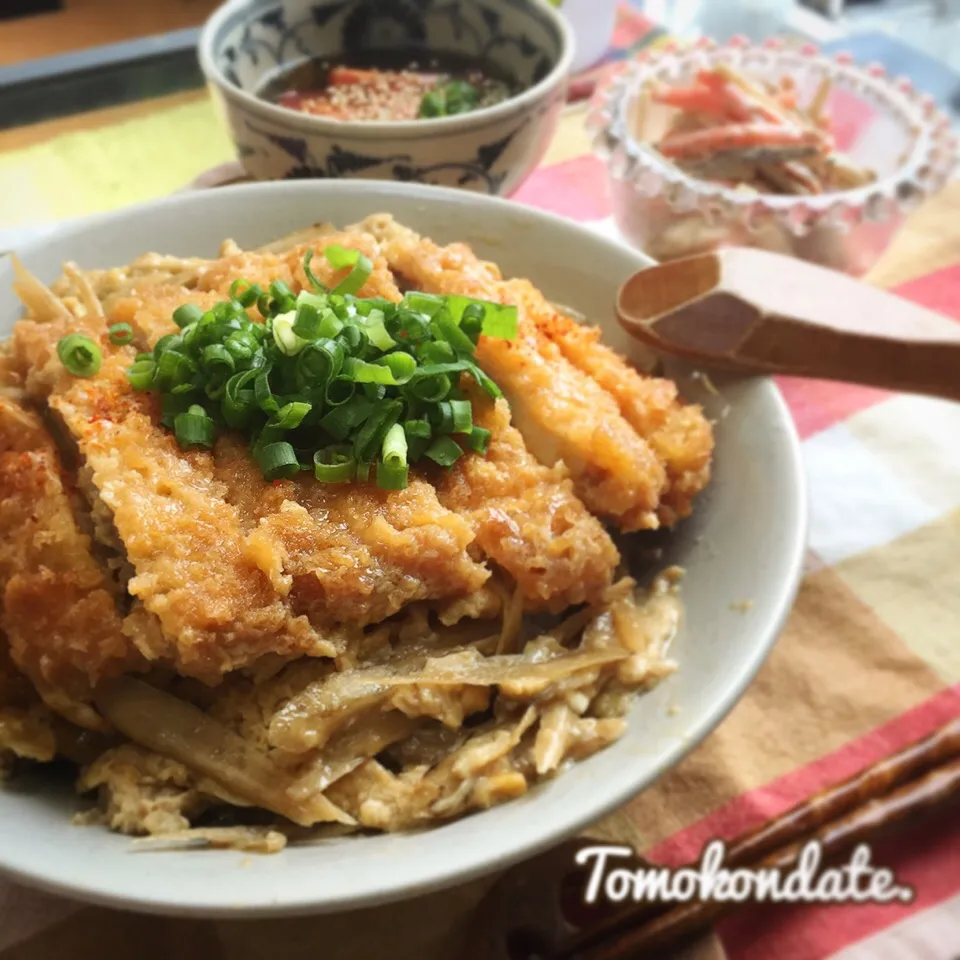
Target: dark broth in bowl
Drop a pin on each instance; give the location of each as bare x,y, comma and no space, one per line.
389,86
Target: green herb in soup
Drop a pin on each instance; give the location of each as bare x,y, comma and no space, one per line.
390,86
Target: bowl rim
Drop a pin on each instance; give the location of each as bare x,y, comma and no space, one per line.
94,887
399,129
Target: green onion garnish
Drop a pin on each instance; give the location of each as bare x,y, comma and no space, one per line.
392,468
245,292
314,282
120,333
348,388
187,314
479,440
339,257
444,451
141,374
334,464
80,355
194,428
278,461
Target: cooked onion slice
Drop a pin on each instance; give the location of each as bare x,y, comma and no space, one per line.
174,728
299,725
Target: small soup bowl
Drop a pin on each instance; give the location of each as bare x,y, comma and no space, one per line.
491,150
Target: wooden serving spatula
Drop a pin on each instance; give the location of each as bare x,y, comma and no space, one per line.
751,311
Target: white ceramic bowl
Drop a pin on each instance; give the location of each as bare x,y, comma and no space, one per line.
492,150
745,541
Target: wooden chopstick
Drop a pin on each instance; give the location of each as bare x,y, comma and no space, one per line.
917,779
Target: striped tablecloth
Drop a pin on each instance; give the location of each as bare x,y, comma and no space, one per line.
869,661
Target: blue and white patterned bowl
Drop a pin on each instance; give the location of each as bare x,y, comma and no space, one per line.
491,150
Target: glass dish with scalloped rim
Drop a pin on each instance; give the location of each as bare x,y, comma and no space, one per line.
879,122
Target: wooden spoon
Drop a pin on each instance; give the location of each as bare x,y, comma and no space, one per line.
752,311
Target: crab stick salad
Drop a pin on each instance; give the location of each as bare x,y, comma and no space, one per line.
731,129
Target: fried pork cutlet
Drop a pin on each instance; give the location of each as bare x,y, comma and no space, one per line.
358,554
636,454
342,554
346,553
215,609
528,519
59,608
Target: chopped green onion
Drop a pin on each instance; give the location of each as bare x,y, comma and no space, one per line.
291,415
362,372
340,390
172,341
380,380
417,428
314,319
306,321
141,374
436,352
370,436
185,315
239,399
401,365
346,417
497,319
217,355
219,364
479,440
500,321
278,461
418,434
264,394
484,381
427,304
392,469
392,476
446,328
174,369
377,332
245,292
408,327
173,404
241,345
395,445
435,369
280,291
334,464
314,282
284,337
353,338
120,333
194,428
339,257
444,451
429,389
455,416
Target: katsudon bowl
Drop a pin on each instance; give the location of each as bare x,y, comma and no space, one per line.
743,542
